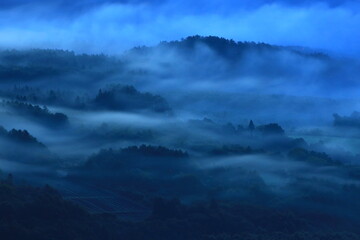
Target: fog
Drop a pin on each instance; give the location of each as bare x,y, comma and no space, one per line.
202,119
114,26
196,120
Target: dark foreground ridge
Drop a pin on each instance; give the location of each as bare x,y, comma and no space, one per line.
40,213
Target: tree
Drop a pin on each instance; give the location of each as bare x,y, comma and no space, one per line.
251,126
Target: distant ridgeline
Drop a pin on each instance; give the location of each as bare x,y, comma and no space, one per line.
39,64
198,52
220,58
43,63
228,49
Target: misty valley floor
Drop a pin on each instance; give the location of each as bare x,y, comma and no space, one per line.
201,139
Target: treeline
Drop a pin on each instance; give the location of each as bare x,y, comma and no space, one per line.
226,48
21,146
271,129
115,97
36,113
19,136
270,137
127,98
220,172
347,121
36,64
146,157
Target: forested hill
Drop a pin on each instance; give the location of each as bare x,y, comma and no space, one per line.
228,48
42,63
193,61
259,67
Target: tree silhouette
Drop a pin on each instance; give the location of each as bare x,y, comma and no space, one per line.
251,126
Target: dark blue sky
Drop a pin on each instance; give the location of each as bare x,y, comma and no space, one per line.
112,26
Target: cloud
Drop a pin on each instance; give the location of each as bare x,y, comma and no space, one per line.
114,26
187,4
